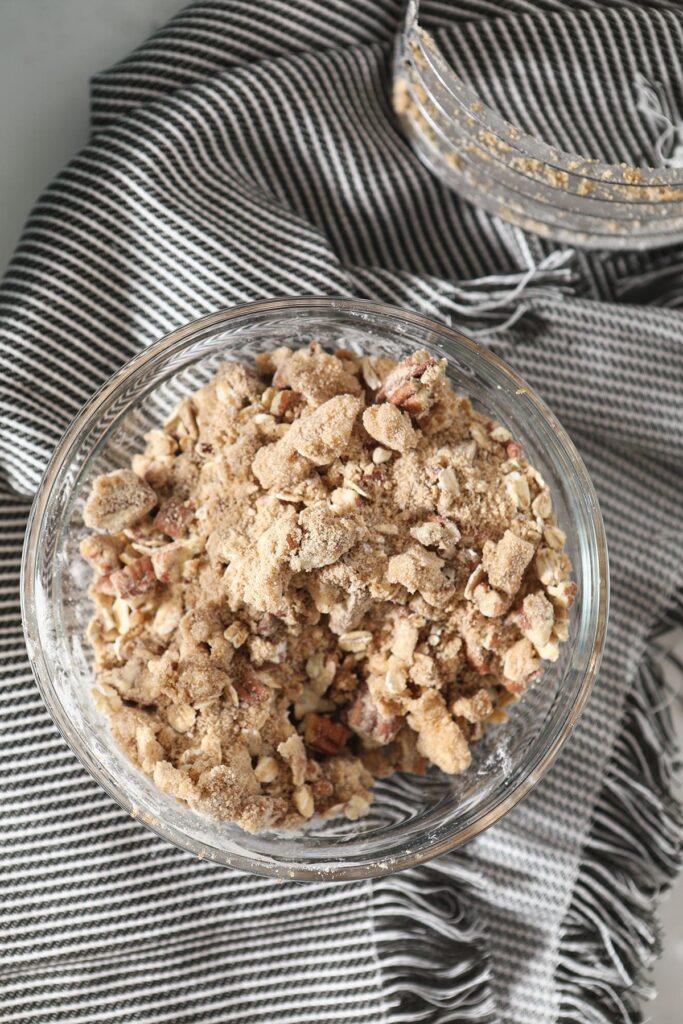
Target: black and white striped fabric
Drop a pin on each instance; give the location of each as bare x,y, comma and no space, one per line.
248,151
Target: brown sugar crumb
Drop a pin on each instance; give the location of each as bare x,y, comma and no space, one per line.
321,571
324,435
118,500
391,427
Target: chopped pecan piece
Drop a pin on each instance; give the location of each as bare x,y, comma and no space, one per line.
134,579
368,722
173,518
520,666
414,384
324,734
251,690
536,619
102,553
168,561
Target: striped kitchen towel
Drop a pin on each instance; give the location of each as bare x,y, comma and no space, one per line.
249,150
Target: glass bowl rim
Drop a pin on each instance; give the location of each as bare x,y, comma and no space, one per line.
176,341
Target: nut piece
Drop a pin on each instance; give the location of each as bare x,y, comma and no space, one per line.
325,434
250,689
536,619
102,553
437,532
563,594
548,567
391,427
322,733
168,561
505,562
368,722
284,401
489,602
118,500
414,384
520,665
173,518
237,634
136,578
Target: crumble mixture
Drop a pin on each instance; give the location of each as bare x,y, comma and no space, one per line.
322,570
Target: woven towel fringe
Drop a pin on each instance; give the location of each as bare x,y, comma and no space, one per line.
633,852
656,105
487,304
443,975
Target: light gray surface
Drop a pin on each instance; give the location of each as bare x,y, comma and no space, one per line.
48,50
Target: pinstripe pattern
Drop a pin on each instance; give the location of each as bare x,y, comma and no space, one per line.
236,157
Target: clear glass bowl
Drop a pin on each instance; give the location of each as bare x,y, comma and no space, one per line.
412,819
545,190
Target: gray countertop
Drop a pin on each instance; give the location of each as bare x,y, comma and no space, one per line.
48,51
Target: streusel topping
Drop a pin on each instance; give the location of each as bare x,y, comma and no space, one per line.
321,570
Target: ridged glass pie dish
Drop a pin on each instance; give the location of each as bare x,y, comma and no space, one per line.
576,199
